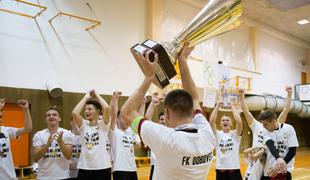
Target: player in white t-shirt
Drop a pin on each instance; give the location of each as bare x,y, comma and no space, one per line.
283,137
122,140
183,150
95,161
76,151
149,114
52,148
258,131
253,155
162,121
227,144
7,170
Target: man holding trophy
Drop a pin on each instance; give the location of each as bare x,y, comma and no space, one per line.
183,149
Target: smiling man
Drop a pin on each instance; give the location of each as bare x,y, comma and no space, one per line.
94,162
52,148
227,144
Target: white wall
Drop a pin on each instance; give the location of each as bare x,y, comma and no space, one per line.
31,54
276,61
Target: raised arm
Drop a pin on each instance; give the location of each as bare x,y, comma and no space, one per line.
187,80
283,115
76,113
104,105
114,108
237,118
248,116
213,115
27,118
154,103
129,109
142,106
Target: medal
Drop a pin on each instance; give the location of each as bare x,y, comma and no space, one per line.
53,153
223,150
285,136
89,145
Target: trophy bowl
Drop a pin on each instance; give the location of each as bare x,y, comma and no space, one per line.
217,17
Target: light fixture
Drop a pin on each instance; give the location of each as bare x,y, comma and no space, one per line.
303,21
54,89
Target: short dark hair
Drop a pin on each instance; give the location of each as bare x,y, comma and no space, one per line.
95,103
267,115
53,108
180,101
160,114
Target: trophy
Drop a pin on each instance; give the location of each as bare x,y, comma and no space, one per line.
217,17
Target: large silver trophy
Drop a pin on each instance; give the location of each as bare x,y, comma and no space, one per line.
217,17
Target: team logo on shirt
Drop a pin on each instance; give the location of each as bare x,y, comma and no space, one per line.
53,151
196,160
282,144
108,145
92,140
226,145
76,150
260,137
4,149
281,147
127,141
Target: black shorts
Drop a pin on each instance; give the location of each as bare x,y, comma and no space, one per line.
125,175
234,174
286,176
101,174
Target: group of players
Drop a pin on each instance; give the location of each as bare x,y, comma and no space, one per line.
182,143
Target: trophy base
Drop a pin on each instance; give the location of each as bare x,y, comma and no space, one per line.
165,68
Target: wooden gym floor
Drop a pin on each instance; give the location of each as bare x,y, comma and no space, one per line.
301,172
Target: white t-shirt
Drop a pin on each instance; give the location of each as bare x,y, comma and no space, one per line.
227,150
94,154
180,155
7,170
76,150
258,135
108,143
255,172
53,165
284,138
152,159
123,150
258,141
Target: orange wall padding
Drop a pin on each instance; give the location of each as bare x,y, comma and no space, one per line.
13,116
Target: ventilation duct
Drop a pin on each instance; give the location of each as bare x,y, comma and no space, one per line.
258,102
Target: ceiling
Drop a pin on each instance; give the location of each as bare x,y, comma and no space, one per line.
279,14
